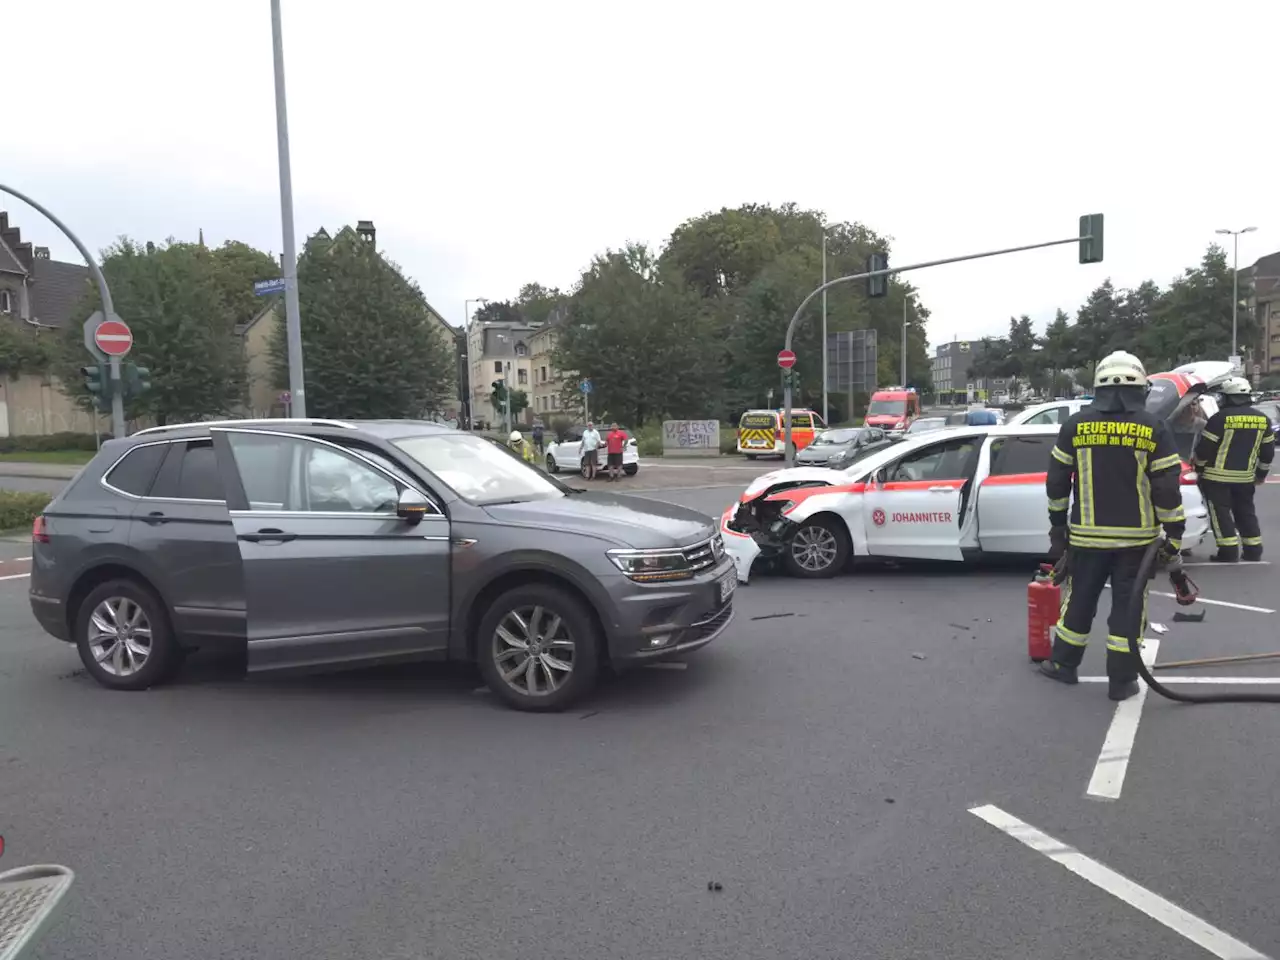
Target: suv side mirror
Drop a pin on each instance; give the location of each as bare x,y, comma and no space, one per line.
412,506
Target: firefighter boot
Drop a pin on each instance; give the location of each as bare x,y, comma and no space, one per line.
1122,675
1252,554
1061,666
1226,555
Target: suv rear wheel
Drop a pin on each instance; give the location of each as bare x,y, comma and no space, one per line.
124,638
538,648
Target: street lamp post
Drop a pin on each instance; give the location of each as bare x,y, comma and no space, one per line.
1235,283
466,329
826,418
292,316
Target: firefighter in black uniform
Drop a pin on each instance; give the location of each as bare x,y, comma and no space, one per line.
1123,467
1233,454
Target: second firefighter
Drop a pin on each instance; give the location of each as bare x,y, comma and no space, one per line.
1113,482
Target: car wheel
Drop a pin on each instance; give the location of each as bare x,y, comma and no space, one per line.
819,549
631,469
551,464
751,456
538,648
124,638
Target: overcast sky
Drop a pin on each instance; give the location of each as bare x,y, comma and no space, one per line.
499,143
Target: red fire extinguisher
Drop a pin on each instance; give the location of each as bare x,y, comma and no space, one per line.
1044,599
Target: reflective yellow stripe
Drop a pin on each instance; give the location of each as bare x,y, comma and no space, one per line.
1212,436
1084,472
1251,541
1070,636
1144,491
1109,543
1164,463
1057,506
1220,461
1062,457
1228,476
1228,541
1098,531
1118,644
1213,519
1171,516
1176,544
1253,454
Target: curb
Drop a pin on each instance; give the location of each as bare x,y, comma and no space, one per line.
47,471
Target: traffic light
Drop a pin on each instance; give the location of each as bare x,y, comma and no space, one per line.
877,286
1091,238
137,380
97,380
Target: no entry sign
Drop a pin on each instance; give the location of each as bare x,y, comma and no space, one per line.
113,337
786,359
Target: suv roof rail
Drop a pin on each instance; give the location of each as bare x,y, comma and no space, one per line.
314,421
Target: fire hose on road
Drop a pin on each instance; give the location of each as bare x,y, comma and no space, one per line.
1180,581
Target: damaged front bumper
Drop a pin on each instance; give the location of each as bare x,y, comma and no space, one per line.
756,529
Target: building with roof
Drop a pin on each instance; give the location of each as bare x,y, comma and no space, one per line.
37,296
499,350
1263,278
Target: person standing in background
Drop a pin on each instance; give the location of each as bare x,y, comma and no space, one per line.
615,443
537,437
590,450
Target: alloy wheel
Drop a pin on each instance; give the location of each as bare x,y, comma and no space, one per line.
120,636
814,548
533,651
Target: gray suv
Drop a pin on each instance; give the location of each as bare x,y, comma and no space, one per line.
326,544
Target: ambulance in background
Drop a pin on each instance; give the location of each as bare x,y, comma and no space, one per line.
893,409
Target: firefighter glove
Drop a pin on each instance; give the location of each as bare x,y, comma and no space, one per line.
1168,556
1057,542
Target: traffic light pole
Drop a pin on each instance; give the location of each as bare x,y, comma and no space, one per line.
795,319
117,400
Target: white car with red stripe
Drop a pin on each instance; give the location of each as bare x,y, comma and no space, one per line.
957,495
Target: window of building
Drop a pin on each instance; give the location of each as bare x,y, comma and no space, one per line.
544,369
497,366
522,377
521,350
6,301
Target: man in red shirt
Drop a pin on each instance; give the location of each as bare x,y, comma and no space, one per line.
614,442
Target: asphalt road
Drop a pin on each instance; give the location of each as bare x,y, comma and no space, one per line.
819,762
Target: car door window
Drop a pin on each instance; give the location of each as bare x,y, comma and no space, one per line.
801,421
1046,417
1017,455
189,472
134,472
819,423
939,461
288,473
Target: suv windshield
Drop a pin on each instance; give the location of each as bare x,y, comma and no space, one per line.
479,471
886,408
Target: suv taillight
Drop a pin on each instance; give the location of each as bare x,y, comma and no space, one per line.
1189,476
38,534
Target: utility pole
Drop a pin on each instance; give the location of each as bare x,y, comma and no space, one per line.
108,310
292,315
1235,285
826,413
904,341
507,383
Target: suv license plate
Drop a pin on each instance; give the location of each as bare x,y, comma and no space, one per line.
728,584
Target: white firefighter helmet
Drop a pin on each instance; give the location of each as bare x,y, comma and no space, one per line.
516,436
1120,369
1236,387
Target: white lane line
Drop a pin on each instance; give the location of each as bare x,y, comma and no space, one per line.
1238,563
15,576
1188,925
1113,762
1170,680
1212,603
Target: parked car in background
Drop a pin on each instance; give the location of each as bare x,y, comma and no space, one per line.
566,453
1043,414
325,544
841,446
925,425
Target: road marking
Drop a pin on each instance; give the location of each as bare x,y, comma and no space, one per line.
1113,762
1188,925
1212,603
668,665
1170,680
15,576
656,465
1238,563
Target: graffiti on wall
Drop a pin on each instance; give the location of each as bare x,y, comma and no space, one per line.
693,436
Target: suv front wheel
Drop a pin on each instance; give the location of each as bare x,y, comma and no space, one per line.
538,648
123,636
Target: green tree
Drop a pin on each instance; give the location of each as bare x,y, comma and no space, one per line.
370,345
503,311
498,399
1096,323
535,302
25,351
1056,345
641,339
239,266
1193,319
182,304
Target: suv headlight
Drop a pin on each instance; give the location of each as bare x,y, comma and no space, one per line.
649,566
